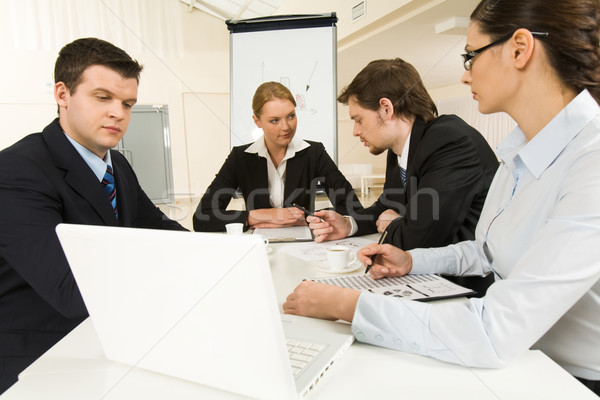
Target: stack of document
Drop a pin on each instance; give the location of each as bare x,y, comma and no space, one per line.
411,287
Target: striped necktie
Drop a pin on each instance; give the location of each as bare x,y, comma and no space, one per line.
108,182
403,177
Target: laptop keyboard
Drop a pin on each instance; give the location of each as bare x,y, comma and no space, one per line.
302,353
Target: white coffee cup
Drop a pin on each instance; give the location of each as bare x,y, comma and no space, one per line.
339,257
236,228
264,239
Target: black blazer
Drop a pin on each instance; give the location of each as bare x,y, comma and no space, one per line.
43,182
450,169
248,172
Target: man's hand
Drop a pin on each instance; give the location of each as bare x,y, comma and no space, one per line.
318,300
389,260
275,217
385,218
334,227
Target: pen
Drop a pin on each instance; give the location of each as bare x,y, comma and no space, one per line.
305,211
381,239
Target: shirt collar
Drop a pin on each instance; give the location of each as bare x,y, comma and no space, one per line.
403,158
545,147
259,147
97,164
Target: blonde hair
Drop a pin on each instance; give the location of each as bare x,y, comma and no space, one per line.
267,92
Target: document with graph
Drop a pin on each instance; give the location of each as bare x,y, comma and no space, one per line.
410,287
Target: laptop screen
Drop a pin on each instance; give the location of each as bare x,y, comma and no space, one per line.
197,306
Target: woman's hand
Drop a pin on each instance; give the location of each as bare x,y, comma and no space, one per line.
318,300
389,260
275,217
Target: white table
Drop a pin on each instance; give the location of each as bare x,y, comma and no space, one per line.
75,368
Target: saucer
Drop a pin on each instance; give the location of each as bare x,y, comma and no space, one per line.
323,267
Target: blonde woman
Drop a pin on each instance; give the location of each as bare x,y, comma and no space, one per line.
278,169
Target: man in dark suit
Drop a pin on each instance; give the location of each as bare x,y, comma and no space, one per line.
439,168
61,175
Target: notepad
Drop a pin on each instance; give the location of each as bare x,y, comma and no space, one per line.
288,234
410,287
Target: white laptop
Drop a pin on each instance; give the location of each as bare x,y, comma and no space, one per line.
200,307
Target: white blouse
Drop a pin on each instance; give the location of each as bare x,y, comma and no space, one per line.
276,176
539,234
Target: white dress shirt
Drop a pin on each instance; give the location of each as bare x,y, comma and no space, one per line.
276,176
541,227
403,158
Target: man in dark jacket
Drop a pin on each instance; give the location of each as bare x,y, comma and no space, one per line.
67,173
439,168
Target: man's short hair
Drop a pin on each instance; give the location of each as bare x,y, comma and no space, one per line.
75,57
396,80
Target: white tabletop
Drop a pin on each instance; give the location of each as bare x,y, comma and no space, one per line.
75,368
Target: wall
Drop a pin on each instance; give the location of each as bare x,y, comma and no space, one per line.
449,92
378,11
196,59
189,72
204,68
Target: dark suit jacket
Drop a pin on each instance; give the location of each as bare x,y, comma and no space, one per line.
43,182
450,169
248,172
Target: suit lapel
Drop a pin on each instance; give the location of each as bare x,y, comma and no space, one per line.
254,180
293,173
124,183
78,174
416,136
393,181
257,171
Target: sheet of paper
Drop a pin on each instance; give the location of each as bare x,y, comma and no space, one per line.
316,252
411,287
288,234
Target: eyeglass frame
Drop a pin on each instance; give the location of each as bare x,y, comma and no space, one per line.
467,57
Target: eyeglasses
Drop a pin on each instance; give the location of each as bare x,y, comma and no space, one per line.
468,57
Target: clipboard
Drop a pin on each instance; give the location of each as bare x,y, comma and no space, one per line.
287,234
424,287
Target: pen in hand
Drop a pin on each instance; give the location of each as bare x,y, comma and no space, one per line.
305,211
381,239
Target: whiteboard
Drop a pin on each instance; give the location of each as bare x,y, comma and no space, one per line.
303,58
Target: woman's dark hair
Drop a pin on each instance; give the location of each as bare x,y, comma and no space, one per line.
573,28
395,80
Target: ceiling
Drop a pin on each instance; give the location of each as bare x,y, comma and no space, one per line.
408,33
235,9
435,55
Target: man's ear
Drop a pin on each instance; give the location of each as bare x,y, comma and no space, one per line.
386,108
522,44
61,94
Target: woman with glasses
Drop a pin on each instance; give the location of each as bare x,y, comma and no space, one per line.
539,230
276,171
